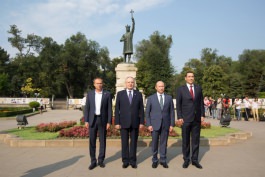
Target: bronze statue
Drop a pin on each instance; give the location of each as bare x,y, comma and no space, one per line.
127,40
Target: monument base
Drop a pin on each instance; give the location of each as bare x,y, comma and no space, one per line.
124,70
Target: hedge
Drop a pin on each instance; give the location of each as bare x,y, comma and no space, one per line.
14,111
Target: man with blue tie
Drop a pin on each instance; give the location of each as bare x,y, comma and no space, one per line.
160,120
190,111
129,117
98,114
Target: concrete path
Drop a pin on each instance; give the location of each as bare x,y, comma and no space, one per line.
244,159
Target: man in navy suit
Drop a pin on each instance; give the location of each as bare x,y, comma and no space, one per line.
160,119
129,117
98,114
190,111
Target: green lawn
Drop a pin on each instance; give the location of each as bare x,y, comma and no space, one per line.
30,133
214,131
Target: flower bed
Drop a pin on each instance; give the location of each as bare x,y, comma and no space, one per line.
204,125
54,127
83,132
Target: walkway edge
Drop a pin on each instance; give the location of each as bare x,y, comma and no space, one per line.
14,141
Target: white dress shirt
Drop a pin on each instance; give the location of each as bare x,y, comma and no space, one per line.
98,98
163,97
128,92
188,85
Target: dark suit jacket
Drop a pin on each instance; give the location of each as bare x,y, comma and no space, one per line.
188,109
129,115
154,114
105,109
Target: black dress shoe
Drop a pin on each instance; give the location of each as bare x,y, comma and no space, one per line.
125,165
92,166
155,164
186,164
197,165
101,164
164,164
133,165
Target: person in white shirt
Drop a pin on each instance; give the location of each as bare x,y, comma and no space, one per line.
247,108
255,109
238,108
219,108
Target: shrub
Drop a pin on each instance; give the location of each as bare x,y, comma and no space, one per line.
82,121
6,112
54,127
204,125
113,132
144,132
34,104
83,132
75,132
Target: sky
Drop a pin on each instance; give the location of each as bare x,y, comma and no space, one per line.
229,26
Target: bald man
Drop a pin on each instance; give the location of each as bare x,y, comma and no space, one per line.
160,119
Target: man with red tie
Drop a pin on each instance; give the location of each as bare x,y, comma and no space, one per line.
190,111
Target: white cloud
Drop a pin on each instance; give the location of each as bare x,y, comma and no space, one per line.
142,5
59,19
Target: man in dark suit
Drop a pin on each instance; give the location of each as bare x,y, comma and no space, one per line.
129,117
160,119
190,111
98,114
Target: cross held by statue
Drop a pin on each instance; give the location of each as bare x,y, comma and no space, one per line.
132,12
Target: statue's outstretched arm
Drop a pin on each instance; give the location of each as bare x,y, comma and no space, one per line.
133,24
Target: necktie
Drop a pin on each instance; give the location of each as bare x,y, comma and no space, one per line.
130,97
191,92
161,102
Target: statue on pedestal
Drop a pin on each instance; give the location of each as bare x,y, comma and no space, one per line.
127,40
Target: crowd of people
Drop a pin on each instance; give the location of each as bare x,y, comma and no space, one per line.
241,108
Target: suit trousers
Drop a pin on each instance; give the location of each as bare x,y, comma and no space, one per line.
191,129
101,129
129,150
161,134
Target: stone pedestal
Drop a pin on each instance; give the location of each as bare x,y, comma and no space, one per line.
123,70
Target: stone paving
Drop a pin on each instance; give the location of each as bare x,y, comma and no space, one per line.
244,159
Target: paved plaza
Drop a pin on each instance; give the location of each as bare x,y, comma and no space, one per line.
243,159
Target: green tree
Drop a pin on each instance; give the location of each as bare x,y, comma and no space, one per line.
154,63
28,89
79,64
4,60
49,68
214,80
252,68
208,56
16,40
236,86
25,46
4,84
110,76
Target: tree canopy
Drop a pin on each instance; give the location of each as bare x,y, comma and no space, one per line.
154,63
68,69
